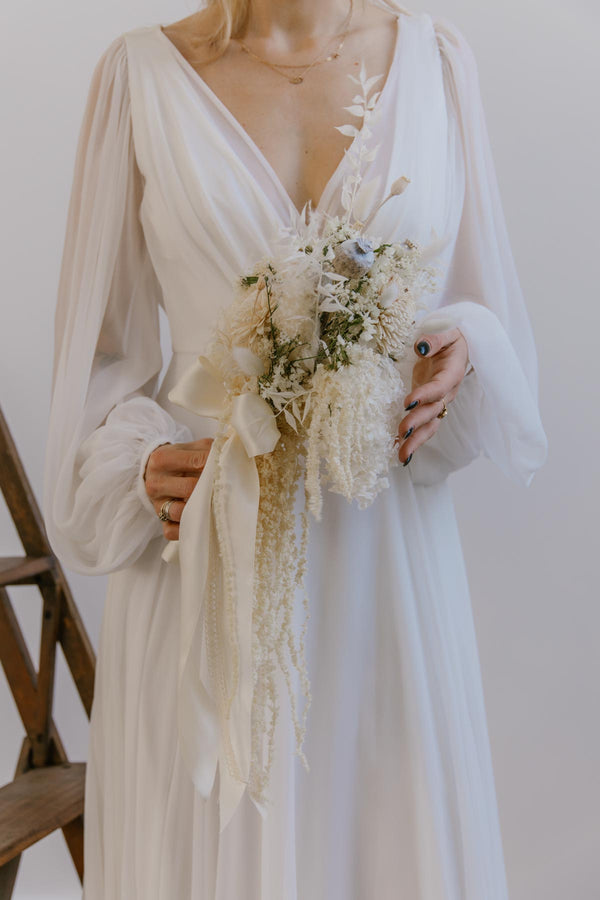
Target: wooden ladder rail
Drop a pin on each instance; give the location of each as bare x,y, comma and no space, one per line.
47,791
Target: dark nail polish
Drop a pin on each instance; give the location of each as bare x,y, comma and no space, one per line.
423,347
407,460
412,405
408,433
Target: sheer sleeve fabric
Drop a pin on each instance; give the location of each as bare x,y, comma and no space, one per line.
495,412
104,421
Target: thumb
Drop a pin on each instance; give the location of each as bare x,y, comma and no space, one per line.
429,344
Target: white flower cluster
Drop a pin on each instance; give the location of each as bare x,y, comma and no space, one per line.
353,421
303,310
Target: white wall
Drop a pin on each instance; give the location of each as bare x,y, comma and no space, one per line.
531,553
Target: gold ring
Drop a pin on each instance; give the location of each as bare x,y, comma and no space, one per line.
444,411
164,510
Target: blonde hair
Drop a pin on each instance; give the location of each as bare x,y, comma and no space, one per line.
228,19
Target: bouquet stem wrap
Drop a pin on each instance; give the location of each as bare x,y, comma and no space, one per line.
217,537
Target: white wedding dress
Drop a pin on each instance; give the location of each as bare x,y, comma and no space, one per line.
171,201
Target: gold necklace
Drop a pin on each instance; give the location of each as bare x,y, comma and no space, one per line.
298,79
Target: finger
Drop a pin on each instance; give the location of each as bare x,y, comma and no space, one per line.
444,383
164,487
449,397
171,531
422,434
171,458
433,391
175,509
419,417
430,344
200,444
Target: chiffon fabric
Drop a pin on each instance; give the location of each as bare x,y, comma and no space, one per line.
171,201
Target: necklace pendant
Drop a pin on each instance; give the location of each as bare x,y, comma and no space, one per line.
297,79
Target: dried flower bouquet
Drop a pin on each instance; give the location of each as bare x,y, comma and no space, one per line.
311,345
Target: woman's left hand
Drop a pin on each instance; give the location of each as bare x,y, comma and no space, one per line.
436,377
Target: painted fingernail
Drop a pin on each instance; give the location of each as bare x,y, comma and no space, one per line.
412,405
408,433
423,348
407,460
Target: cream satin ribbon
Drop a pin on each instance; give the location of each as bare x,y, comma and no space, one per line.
251,430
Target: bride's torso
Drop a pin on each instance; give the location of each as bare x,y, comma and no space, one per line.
213,202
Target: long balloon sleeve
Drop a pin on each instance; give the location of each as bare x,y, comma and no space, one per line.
496,409
104,421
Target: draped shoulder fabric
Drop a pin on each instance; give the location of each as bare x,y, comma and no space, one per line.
172,200
107,347
482,296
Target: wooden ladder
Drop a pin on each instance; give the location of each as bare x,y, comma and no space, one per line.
48,790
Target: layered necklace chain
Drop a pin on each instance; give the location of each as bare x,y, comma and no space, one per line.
298,78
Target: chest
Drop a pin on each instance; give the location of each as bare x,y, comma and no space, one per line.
293,125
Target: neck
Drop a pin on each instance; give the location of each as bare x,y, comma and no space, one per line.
295,26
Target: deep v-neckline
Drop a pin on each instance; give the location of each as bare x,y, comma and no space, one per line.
258,153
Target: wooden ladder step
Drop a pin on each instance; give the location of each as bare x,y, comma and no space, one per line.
23,569
37,803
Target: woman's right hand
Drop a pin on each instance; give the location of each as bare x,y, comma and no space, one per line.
172,471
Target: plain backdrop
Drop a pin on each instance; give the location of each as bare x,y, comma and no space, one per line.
532,553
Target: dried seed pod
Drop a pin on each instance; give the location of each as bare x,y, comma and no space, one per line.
353,257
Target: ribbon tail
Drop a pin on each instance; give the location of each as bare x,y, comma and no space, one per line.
171,552
197,719
216,552
240,512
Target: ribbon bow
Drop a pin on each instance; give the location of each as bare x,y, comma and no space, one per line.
207,735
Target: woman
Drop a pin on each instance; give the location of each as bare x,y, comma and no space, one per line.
192,157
